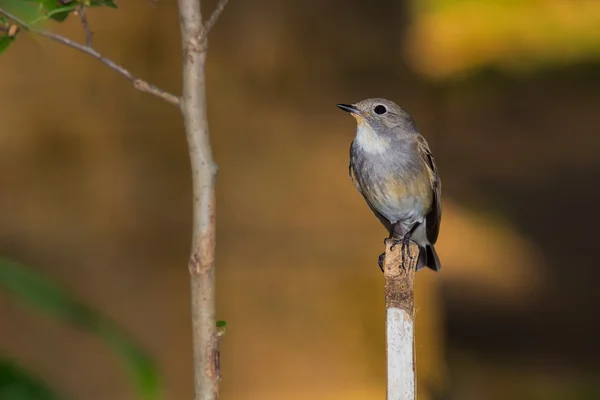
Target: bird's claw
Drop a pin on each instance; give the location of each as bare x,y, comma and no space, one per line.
405,250
381,260
395,243
405,241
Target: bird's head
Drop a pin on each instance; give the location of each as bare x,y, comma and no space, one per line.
383,117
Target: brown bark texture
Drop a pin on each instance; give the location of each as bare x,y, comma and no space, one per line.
399,277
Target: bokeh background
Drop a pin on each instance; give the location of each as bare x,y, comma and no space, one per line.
95,193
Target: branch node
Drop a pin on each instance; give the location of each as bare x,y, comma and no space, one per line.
13,30
198,44
214,169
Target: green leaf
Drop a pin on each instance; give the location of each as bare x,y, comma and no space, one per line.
42,2
60,15
107,3
57,11
26,10
35,11
5,41
34,289
18,384
221,324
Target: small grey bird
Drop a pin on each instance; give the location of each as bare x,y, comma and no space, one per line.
392,167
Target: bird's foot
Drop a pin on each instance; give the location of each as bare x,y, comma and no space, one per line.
395,242
405,249
405,242
381,260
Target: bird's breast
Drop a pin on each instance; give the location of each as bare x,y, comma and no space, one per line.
397,187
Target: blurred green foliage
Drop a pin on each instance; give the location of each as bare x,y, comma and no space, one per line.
454,37
443,5
32,288
18,384
37,291
5,41
32,11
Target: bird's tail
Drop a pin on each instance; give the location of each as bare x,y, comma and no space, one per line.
428,258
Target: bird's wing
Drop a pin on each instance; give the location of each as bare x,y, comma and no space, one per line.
353,177
384,221
435,214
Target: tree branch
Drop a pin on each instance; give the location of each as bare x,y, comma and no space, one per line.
204,170
208,25
399,274
138,83
86,26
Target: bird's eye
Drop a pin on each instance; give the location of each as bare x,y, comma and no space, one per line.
379,109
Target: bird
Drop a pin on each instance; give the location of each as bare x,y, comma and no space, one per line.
391,165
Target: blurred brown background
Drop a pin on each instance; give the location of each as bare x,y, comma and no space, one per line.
95,192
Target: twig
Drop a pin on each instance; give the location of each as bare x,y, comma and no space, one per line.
138,83
86,26
204,170
400,332
208,25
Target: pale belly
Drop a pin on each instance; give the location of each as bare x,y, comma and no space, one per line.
407,209
406,199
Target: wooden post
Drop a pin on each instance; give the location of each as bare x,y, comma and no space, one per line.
400,327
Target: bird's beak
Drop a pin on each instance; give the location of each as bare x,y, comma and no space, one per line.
349,108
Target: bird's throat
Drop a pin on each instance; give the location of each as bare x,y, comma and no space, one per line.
369,141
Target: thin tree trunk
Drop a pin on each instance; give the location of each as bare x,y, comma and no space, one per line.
400,330
194,38
202,257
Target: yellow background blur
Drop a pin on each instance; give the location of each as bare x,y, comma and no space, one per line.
95,191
